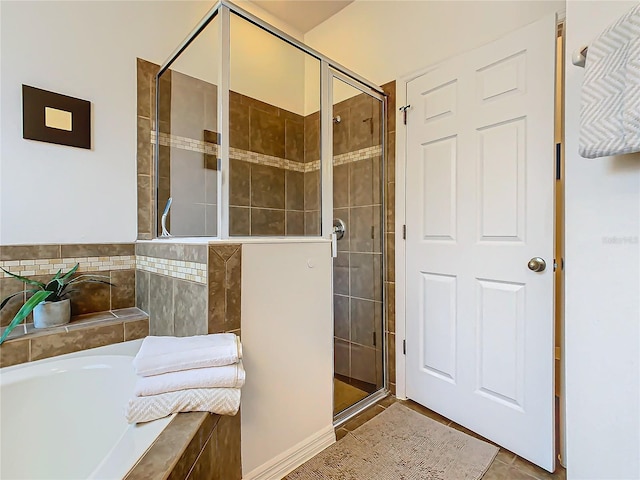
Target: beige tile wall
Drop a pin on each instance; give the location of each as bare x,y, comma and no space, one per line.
116,262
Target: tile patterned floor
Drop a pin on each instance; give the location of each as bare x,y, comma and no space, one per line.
506,466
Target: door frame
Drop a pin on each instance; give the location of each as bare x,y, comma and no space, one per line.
400,218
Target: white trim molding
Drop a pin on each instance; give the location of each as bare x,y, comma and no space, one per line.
286,462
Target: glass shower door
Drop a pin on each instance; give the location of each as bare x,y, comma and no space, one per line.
358,267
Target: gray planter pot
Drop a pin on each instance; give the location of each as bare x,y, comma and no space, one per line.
52,314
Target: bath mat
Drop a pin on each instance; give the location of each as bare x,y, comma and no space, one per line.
400,444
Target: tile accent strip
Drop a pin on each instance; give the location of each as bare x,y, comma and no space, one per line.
192,271
209,148
185,143
50,266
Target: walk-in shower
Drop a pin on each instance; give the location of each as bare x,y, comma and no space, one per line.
258,135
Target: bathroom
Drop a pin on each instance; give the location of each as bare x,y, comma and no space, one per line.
101,190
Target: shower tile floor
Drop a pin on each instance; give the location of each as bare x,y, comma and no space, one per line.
345,395
506,466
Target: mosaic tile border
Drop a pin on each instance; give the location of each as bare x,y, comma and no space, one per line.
185,143
192,271
50,266
209,148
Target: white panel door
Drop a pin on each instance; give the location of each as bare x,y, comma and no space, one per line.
480,205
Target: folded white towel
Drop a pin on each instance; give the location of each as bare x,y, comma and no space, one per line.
227,376
223,401
610,109
171,354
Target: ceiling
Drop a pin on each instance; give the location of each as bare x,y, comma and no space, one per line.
303,15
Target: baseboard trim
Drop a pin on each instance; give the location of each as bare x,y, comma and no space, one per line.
291,459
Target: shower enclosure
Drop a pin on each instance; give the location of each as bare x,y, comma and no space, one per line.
258,135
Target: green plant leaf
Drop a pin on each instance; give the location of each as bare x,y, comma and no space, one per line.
90,278
6,300
26,309
70,272
24,279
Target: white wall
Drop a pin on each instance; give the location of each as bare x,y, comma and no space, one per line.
287,339
53,193
602,333
383,40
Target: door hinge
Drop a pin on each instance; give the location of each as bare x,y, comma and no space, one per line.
558,160
404,232
374,339
404,347
404,113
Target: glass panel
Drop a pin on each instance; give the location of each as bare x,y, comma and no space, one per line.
274,129
358,268
189,137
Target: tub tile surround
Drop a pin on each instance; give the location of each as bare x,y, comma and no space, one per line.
194,446
189,306
41,262
82,333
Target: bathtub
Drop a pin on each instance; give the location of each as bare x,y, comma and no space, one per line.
62,418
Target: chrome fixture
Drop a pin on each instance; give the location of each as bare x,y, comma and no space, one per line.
337,119
537,264
339,228
165,232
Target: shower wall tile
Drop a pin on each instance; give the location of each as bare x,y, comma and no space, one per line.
366,315
365,229
312,137
312,191
266,133
361,183
239,182
312,222
294,190
361,122
267,222
341,307
341,273
294,223
341,185
14,352
341,130
363,363
267,187
294,137
239,221
341,357
366,273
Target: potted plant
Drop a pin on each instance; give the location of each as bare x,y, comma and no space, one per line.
50,303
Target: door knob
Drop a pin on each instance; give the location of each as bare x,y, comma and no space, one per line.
537,264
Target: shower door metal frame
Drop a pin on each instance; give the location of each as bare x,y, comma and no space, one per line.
327,169
223,9
329,70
